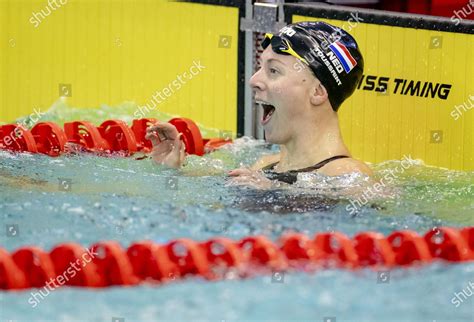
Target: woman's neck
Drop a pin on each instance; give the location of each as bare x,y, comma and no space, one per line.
312,145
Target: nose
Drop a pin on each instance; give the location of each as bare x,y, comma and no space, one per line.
256,81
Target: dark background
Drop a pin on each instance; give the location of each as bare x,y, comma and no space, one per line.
443,8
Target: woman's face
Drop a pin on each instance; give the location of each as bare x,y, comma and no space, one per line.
283,86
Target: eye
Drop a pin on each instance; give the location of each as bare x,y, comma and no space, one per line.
273,71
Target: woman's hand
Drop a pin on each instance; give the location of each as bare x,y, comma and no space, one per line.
168,149
252,178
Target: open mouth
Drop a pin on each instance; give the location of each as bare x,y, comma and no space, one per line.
268,110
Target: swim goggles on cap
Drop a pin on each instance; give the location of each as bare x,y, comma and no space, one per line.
281,45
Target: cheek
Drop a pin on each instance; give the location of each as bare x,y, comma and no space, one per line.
283,92
291,95
291,102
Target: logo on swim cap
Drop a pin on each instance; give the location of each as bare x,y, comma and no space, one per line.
345,57
287,31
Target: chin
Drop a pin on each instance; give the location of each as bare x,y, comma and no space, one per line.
272,138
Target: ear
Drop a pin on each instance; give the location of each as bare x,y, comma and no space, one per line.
319,94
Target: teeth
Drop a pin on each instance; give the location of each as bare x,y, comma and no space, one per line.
262,102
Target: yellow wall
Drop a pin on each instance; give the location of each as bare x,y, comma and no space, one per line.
386,127
119,50
126,50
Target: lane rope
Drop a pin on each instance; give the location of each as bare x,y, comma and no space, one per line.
106,263
109,137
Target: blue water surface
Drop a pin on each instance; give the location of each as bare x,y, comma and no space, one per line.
84,198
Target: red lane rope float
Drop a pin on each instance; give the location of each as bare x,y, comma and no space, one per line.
49,137
16,138
86,135
188,257
68,256
118,135
113,265
468,234
11,276
139,130
223,252
36,265
111,136
409,247
335,249
448,244
191,135
215,143
259,250
151,263
373,249
108,264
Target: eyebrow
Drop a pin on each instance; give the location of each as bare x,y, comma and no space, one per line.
273,59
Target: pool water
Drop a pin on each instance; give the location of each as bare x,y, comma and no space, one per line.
85,198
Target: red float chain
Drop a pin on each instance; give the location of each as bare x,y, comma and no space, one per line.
111,136
107,263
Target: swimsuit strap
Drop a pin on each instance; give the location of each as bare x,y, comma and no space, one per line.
308,169
271,166
291,176
321,164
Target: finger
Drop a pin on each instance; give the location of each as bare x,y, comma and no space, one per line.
164,131
153,138
177,139
182,154
153,127
178,143
239,172
163,134
157,132
236,173
245,183
164,128
240,180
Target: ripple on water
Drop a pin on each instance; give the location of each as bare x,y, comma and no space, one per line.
127,200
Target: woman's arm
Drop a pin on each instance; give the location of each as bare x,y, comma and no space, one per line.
253,176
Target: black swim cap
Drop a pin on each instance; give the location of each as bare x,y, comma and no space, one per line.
331,53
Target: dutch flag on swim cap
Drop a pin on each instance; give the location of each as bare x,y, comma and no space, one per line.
345,57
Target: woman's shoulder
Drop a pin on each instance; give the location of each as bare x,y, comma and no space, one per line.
345,166
265,161
333,168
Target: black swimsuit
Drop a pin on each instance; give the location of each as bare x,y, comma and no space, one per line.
292,175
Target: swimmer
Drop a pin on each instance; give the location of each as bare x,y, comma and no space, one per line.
307,71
